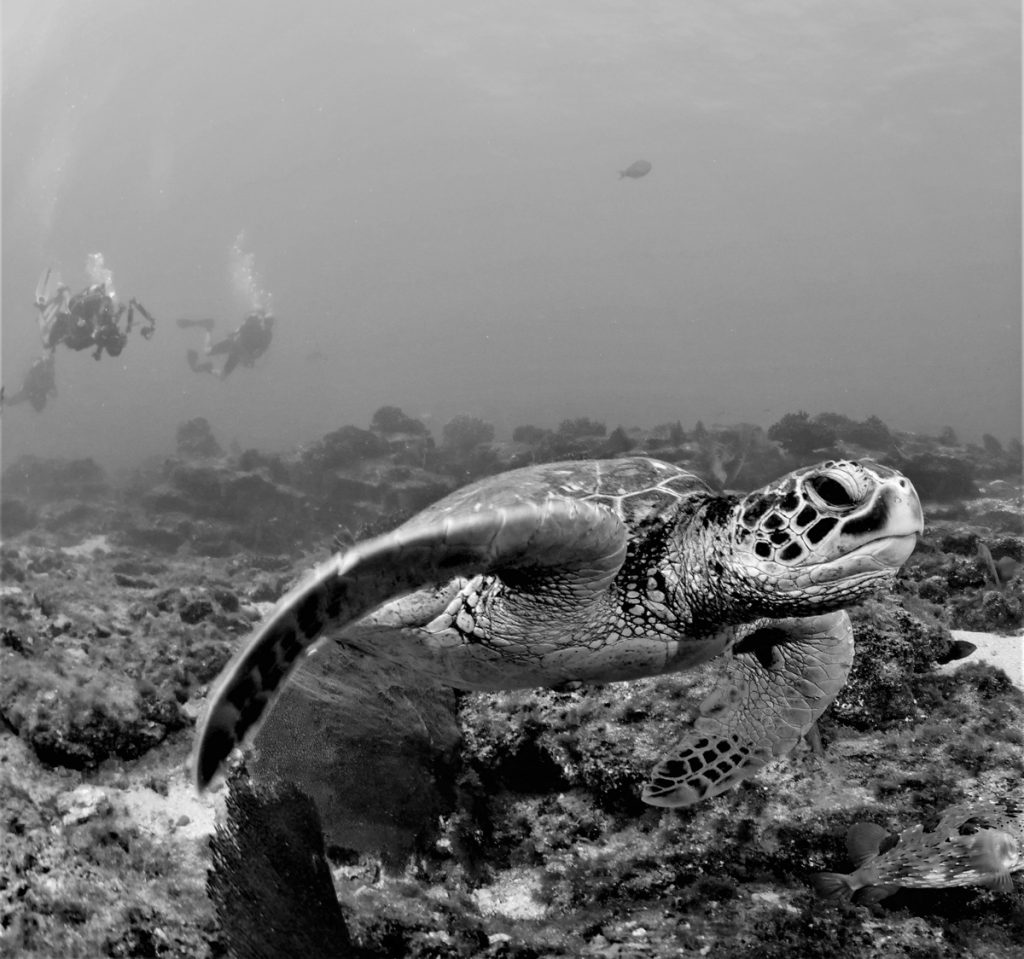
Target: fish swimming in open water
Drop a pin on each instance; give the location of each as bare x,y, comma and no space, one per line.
972,845
635,170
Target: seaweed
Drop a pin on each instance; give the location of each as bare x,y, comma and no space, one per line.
269,860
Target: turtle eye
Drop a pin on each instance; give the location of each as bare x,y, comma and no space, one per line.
831,492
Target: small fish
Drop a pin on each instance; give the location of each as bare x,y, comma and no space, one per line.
979,845
635,170
958,649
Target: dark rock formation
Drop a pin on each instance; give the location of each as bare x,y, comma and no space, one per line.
196,440
894,648
390,421
79,721
802,436
463,433
16,516
938,476
344,447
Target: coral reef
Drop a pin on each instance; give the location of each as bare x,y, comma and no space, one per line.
500,825
940,477
390,420
800,435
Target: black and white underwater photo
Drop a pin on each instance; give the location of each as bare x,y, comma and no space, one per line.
502,479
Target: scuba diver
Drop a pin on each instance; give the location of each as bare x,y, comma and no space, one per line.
39,385
88,319
244,345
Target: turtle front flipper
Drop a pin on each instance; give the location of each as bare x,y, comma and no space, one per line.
573,536
780,678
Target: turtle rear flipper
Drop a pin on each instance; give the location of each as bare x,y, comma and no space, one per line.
584,542
779,680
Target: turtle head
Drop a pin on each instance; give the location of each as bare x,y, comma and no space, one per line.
826,535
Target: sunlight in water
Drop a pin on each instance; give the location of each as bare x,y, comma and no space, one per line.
245,279
99,273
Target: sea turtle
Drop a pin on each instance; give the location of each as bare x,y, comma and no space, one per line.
599,571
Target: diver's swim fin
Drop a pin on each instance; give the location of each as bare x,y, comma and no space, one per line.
43,286
194,365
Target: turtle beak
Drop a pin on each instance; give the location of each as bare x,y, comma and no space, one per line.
906,518
904,503
888,551
904,522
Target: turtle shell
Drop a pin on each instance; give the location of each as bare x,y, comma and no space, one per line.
637,488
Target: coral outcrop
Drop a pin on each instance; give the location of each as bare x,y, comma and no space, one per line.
500,825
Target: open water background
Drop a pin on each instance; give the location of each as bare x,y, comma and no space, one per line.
428,191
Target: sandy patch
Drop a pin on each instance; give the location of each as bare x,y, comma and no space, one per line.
512,895
181,811
94,544
1003,652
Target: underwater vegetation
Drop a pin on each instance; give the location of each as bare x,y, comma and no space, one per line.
268,858
120,602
